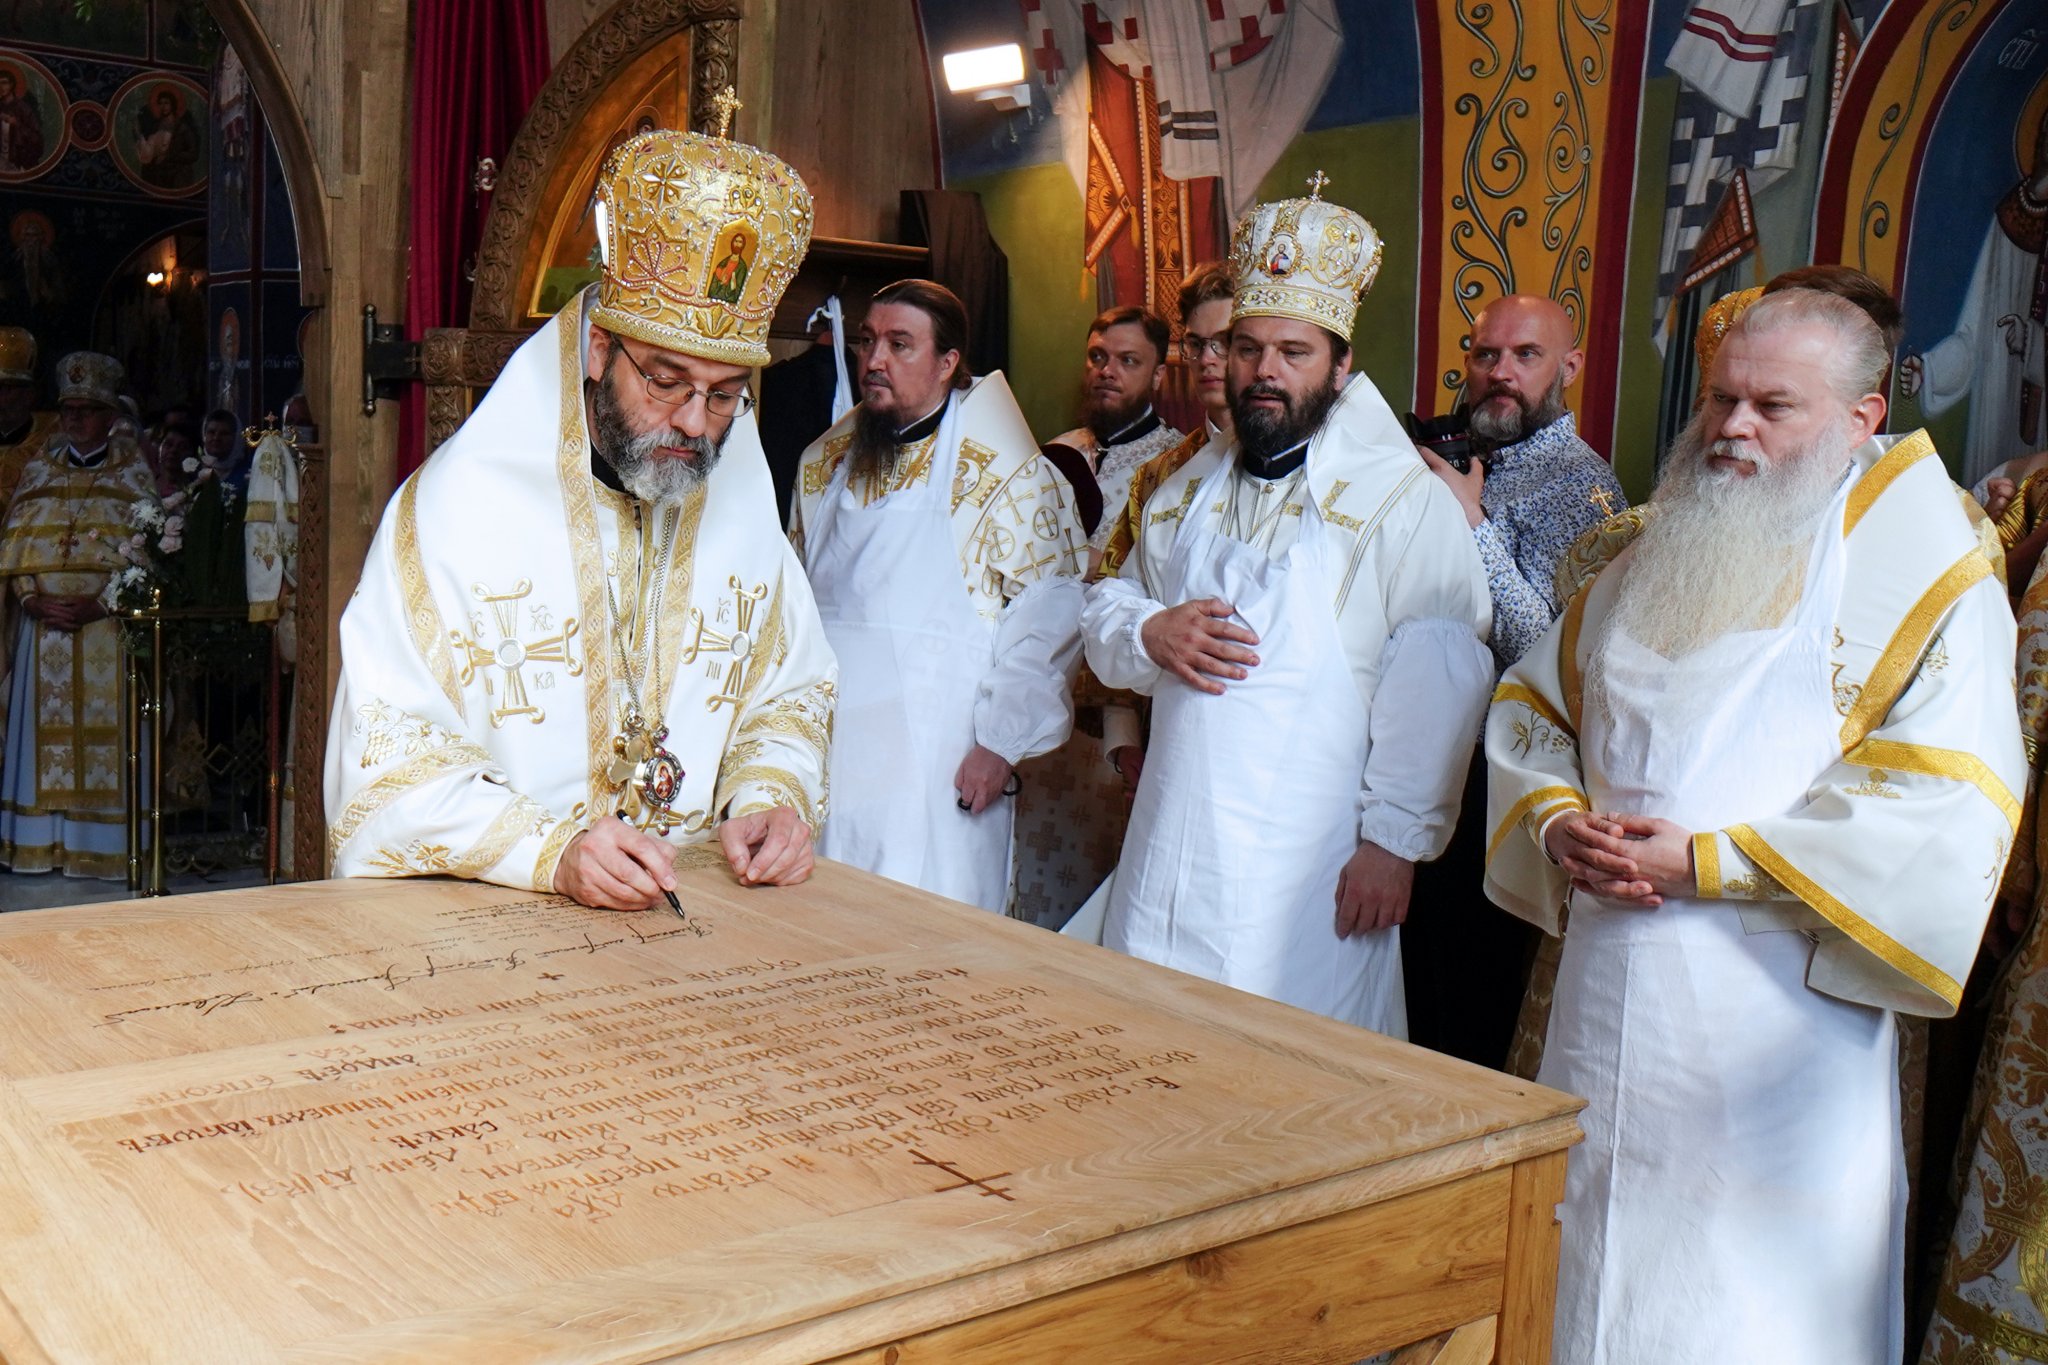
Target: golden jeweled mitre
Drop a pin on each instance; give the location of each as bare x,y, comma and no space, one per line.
700,237
1303,258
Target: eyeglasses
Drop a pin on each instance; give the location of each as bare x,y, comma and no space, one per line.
1194,347
673,392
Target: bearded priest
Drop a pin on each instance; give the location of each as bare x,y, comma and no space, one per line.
947,559
581,606
1308,612
1769,757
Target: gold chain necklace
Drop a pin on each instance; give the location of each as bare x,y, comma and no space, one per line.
649,776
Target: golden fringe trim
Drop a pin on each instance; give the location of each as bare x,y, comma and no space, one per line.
1895,665
1908,452
586,552
1872,939
422,616
511,825
1535,701
1896,757
1706,864
1541,797
393,785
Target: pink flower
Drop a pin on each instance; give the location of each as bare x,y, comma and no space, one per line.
174,501
191,464
171,544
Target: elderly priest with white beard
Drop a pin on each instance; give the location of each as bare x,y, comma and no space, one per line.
1768,759
1308,612
582,606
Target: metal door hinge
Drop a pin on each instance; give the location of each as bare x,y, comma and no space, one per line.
389,360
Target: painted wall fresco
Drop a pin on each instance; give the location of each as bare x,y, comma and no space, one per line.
1633,161
103,170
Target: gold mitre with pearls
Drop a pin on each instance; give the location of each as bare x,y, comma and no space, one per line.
17,356
700,236
1303,258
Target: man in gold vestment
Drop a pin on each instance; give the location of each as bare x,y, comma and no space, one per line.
61,805
23,430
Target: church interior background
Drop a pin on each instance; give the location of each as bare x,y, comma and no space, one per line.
215,192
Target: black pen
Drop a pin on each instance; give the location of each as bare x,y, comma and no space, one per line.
673,903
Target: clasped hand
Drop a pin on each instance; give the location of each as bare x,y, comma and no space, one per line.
1198,643
63,613
1634,860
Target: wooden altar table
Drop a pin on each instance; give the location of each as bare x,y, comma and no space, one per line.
441,1121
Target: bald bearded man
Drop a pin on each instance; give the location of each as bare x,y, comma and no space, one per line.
1536,487
1532,490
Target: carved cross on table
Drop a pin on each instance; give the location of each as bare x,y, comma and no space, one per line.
739,644
510,655
727,103
1603,500
967,1182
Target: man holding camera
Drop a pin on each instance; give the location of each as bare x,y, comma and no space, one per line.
1532,487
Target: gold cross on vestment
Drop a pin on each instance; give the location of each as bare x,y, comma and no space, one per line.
1316,183
1037,567
739,644
727,103
1603,500
510,655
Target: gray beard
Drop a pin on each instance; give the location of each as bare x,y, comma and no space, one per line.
1519,423
1722,554
646,475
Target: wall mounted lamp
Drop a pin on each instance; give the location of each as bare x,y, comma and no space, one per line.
994,74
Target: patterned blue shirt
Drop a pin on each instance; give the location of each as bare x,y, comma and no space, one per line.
1541,494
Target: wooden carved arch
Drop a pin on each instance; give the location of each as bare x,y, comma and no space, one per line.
547,174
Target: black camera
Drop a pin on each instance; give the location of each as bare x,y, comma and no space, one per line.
1448,437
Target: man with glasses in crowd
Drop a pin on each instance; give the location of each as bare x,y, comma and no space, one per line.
580,608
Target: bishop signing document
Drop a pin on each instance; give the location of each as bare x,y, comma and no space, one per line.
582,606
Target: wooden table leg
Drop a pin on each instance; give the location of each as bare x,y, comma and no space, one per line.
1529,1296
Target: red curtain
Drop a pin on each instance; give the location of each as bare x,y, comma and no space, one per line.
477,66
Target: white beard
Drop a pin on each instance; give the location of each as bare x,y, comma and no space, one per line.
1724,553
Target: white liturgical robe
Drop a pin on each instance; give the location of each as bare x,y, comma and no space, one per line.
1850,778
949,589
1361,580
514,608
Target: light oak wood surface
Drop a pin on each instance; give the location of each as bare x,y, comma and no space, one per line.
439,1121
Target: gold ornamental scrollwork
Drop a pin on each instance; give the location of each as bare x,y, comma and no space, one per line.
1519,160
1874,212
579,79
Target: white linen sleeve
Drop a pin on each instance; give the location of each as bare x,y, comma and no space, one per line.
1435,678
1025,706
1116,611
1436,674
